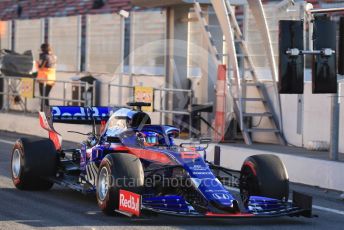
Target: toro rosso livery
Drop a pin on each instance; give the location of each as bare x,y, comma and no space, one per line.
136,168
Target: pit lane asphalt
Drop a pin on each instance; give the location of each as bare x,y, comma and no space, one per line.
62,208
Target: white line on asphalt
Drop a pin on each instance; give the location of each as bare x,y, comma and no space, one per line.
7,142
328,210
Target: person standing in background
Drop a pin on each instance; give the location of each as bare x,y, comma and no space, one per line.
46,75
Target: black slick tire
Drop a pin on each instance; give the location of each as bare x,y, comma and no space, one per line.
33,162
124,171
264,175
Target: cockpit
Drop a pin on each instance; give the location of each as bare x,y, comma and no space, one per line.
125,118
157,135
126,123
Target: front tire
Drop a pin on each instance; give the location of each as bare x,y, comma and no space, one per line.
118,171
33,161
264,175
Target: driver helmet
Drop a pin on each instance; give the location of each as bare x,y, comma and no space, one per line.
150,138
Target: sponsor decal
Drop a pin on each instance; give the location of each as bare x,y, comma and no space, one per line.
144,94
216,191
26,88
221,196
198,168
65,113
129,202
202,173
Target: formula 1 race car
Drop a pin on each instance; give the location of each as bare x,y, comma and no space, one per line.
136,168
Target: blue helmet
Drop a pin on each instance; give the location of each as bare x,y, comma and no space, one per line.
150,138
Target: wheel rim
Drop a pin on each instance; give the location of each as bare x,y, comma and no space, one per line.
103,183
16,162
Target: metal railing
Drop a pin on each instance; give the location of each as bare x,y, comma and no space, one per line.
12,91
62,94
160,98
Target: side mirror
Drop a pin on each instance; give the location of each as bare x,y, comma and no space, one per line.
173,134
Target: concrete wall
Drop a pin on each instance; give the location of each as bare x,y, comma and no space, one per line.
29,36
148,45
290,116
317,116
104,42
64,36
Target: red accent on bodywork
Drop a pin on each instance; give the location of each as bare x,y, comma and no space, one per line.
102,126
119,148
191,148
189,155
150,155
228,214
53,135
251,166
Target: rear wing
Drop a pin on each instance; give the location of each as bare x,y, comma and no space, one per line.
72,115
81,115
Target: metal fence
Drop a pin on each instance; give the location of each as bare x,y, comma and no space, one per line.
73,93
13,98
161,96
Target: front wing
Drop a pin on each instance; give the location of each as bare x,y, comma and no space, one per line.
301,205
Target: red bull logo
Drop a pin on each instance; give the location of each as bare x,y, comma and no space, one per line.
129,202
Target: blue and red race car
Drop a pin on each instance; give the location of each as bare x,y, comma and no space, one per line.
136,168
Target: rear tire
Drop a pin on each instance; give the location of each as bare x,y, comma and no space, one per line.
264,175
33,161
112,169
